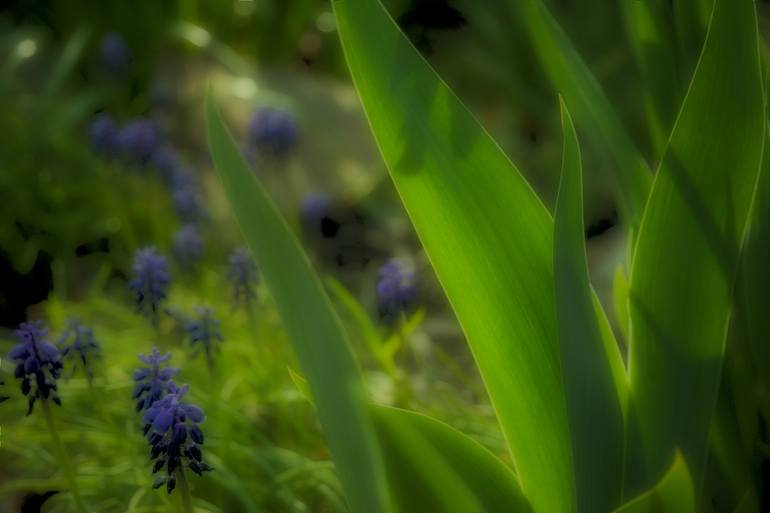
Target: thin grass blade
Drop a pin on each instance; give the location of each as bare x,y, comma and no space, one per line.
593,405
313,327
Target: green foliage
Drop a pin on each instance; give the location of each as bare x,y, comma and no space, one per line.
487,234
699,205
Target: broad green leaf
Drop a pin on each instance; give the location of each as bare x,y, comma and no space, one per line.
674,493
687,250
593,405
313,327
590,106
487,234
433,467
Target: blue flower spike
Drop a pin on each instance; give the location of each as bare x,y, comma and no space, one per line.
243,276
103,132
204,334
154,381
77,343
114,54
187,247
172,429
396,288
150,281
138,141
38,363
273,131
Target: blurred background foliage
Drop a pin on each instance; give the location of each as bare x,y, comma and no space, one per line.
71,219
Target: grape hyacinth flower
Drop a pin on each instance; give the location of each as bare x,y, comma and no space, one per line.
396,288
273,130
171,426
204,334
103,133
138,141
315,207
150,282
38,363
115,55
166,162
154,381
185,194
243,275
187,246
83,348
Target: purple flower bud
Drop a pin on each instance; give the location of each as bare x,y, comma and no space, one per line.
187,246
273,130
115,55
243,276
150,282
103,132
396,288
167,424
204,334
138,141
38,363
83,347
153,381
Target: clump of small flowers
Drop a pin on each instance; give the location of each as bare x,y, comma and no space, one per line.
150,281
153,381
204,334
396,288
243,276
172,430
273,130
38,363
78,344
115,55
103,133
138,141
187,246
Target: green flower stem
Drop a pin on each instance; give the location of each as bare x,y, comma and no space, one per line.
64,459
184,491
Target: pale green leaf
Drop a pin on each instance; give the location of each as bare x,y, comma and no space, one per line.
316,334
487,234
433,467
687,250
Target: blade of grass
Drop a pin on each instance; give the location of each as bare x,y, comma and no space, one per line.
313,327
687,250
433,467
592,109
595,415
672,494
487,234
